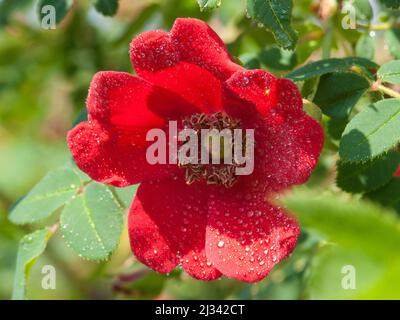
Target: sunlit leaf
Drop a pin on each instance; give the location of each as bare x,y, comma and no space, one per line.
390,72
373,131
30,248
56,188
92,222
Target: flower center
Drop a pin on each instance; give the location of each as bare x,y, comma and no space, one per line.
216,132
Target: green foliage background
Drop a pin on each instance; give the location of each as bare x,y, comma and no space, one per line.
348,210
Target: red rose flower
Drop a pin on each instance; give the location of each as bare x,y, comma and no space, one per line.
210,224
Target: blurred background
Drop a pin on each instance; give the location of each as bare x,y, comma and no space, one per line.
44,78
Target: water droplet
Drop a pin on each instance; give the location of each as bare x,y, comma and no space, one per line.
221,244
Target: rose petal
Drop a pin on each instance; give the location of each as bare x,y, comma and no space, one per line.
246,237
116,157
168,219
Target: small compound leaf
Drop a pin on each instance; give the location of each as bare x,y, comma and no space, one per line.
338,93
106,7
30,248
52,192
373,131
390,72
276,16
206,5
321,67
92,222
367,176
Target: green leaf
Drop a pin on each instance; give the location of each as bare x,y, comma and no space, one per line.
388,194
206,5
126,195
274,15
348,223
392,39
362,235
92,222
326,66
56,188
393,4
106,7
373,131
338,93
278,59
61,7
365,47
390,72
367,176
30,248
363,9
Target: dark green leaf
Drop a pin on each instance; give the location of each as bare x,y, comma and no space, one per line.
338,93
390,72
325,66
388,194
367,176
106,7
274,15
92,222
30,248
373,131
278,59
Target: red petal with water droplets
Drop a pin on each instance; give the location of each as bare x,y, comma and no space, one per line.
286,153
195,85
397,173
246,237
190,40
269,94
124,100
113,157
168,220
